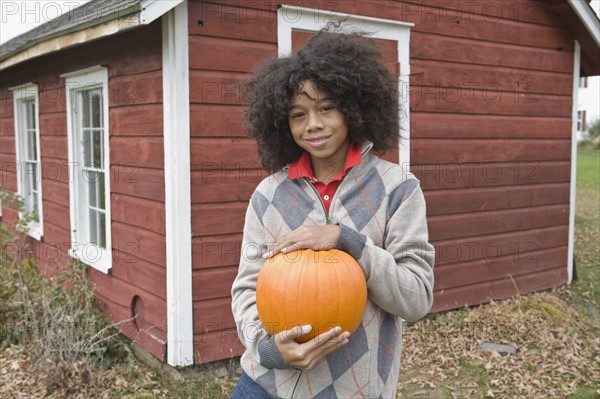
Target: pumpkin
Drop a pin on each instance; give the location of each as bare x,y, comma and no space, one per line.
321,288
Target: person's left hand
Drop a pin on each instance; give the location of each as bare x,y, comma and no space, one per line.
307,237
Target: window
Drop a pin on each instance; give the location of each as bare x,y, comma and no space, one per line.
89,191
27,142
293,23
581,126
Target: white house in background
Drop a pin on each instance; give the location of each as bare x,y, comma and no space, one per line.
588,105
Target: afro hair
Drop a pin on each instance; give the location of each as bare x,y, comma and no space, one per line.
348,68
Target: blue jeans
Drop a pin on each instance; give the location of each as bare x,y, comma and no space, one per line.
246,388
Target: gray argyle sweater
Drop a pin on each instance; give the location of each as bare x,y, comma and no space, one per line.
381,212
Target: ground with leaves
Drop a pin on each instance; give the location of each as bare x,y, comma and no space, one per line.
558,356
558,351
21,377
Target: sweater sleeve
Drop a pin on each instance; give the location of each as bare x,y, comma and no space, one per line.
399,275
260,345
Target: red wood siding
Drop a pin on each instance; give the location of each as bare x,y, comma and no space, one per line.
491,87
225,168
491,143
134,63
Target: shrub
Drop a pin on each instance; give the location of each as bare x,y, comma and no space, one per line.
57,318
594,129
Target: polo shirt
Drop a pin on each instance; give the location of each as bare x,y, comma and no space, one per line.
303,168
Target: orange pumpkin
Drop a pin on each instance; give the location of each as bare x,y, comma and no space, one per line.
321,288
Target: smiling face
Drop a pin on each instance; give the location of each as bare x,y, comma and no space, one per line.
319,128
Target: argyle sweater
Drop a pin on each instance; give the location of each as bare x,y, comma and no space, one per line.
381,213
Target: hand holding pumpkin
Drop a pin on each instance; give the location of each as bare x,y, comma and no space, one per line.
307,355
317,238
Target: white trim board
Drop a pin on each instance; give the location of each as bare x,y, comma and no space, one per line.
154,9
573,186
178,212
307,19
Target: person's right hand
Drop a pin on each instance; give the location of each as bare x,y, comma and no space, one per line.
307,355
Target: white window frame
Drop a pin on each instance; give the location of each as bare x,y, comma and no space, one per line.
573,183
81,248
313,20
21,95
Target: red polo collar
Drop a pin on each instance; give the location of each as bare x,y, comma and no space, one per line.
303,168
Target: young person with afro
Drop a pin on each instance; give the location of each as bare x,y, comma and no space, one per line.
320,118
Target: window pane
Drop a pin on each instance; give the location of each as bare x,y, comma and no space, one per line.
92,179
87,145
30,176
93,226
85,109
34,177
30,107
34,207
102,226
96,107
28,194
27,115
101,190
97,136
31,145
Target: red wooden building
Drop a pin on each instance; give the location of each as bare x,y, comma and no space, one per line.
121,126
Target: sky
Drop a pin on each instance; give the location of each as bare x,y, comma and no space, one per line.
17,17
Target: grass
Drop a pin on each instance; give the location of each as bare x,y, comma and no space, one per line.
475,373
588,166
587,230
202,379
584,393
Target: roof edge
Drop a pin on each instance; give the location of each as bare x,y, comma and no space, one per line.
154,9
120,14
54,43
143,13
588,17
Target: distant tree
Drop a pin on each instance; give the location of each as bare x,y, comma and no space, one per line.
594,129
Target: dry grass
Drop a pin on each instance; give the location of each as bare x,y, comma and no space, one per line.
20,378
